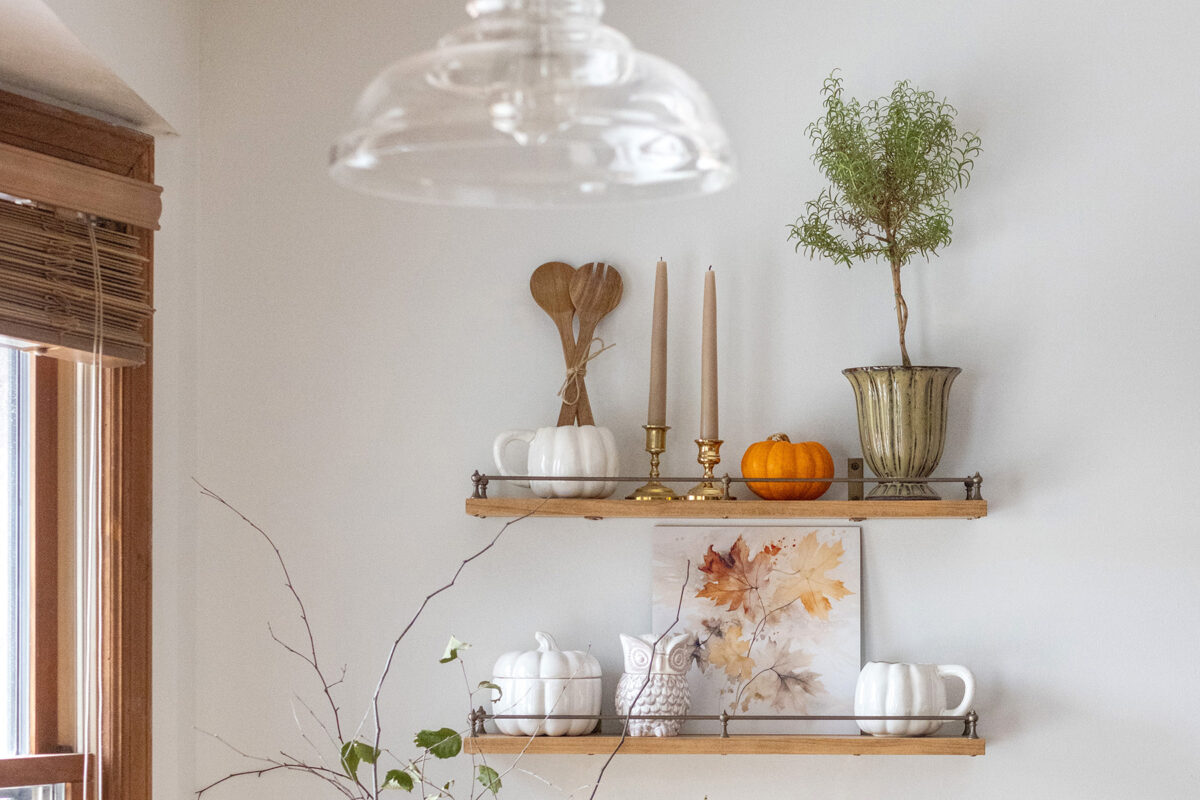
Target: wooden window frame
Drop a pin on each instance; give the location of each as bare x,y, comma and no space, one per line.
127,503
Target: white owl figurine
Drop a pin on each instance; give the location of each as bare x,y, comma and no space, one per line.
665,668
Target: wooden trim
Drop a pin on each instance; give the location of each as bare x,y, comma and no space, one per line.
745,744
41,769
73,137
853,510
62,184
126,573
127,581
44,572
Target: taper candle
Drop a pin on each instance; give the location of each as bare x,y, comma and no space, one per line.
657,414
708,361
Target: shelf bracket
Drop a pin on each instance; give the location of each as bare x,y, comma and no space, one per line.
854,471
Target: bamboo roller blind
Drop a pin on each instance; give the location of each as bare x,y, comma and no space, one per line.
55,298
48,286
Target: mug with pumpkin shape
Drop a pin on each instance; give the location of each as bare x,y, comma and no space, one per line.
908,690
585,451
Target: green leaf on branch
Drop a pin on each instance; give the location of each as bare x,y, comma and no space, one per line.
398,779
442,743
367,753
489,778
490,685
350,760
355,753
452,648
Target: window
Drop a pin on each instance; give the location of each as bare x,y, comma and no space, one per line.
14,571
43,753
31,629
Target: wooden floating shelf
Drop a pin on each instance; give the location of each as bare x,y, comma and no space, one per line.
853,510
745,744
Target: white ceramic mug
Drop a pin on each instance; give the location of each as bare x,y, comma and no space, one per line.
907,690
585,451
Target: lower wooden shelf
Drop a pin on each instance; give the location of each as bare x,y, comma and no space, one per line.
728,509
745,744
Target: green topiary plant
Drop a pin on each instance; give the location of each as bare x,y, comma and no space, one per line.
891,163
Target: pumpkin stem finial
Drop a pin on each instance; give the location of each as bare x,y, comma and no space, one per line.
778,437
545,642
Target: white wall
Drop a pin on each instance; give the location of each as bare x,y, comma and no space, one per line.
154,47
355,359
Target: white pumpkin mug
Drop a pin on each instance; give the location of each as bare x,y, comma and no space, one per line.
585,451
908,690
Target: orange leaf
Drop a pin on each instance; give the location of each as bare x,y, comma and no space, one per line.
734,578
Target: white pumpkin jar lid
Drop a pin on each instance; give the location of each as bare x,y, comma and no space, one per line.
547,662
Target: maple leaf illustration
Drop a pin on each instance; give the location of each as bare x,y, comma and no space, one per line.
806,580
786,684
736,580
731,653
709,629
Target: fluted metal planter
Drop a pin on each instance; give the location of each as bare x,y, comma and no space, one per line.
902,424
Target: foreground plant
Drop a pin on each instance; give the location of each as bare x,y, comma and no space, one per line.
366,767
891,163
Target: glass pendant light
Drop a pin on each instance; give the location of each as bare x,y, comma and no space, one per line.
534,103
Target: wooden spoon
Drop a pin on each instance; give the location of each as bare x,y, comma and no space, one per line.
550,285
595,291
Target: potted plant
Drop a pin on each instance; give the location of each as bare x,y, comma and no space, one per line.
891,163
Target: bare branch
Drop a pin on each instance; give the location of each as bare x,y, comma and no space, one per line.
387,666
312,644
687,573
241,753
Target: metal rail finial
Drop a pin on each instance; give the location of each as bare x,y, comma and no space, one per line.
969,729
475,721
479,482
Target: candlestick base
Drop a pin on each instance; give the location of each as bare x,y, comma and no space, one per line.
709,488
656,444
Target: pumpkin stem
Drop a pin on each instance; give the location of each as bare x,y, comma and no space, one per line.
778,437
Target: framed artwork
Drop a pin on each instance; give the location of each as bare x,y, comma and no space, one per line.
775,617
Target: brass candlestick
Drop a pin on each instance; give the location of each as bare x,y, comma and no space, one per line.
710,456
656,444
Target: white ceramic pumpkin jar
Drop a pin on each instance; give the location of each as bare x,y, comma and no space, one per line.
547,681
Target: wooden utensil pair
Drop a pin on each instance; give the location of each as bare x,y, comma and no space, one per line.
563,292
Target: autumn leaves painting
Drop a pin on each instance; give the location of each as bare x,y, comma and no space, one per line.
774,613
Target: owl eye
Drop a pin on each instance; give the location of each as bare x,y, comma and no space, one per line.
640,657
679,658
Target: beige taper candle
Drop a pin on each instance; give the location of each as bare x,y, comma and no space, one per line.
657,414
708,361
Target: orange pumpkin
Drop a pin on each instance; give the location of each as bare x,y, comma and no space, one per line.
778,457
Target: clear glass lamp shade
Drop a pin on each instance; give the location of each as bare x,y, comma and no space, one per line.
535,103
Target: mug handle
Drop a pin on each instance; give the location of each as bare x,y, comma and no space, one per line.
968,679
501,444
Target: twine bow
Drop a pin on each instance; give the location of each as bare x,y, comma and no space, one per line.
576,373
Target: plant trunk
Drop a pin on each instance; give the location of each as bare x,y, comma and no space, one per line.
901,307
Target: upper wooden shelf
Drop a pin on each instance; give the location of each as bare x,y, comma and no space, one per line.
853,510
745,744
